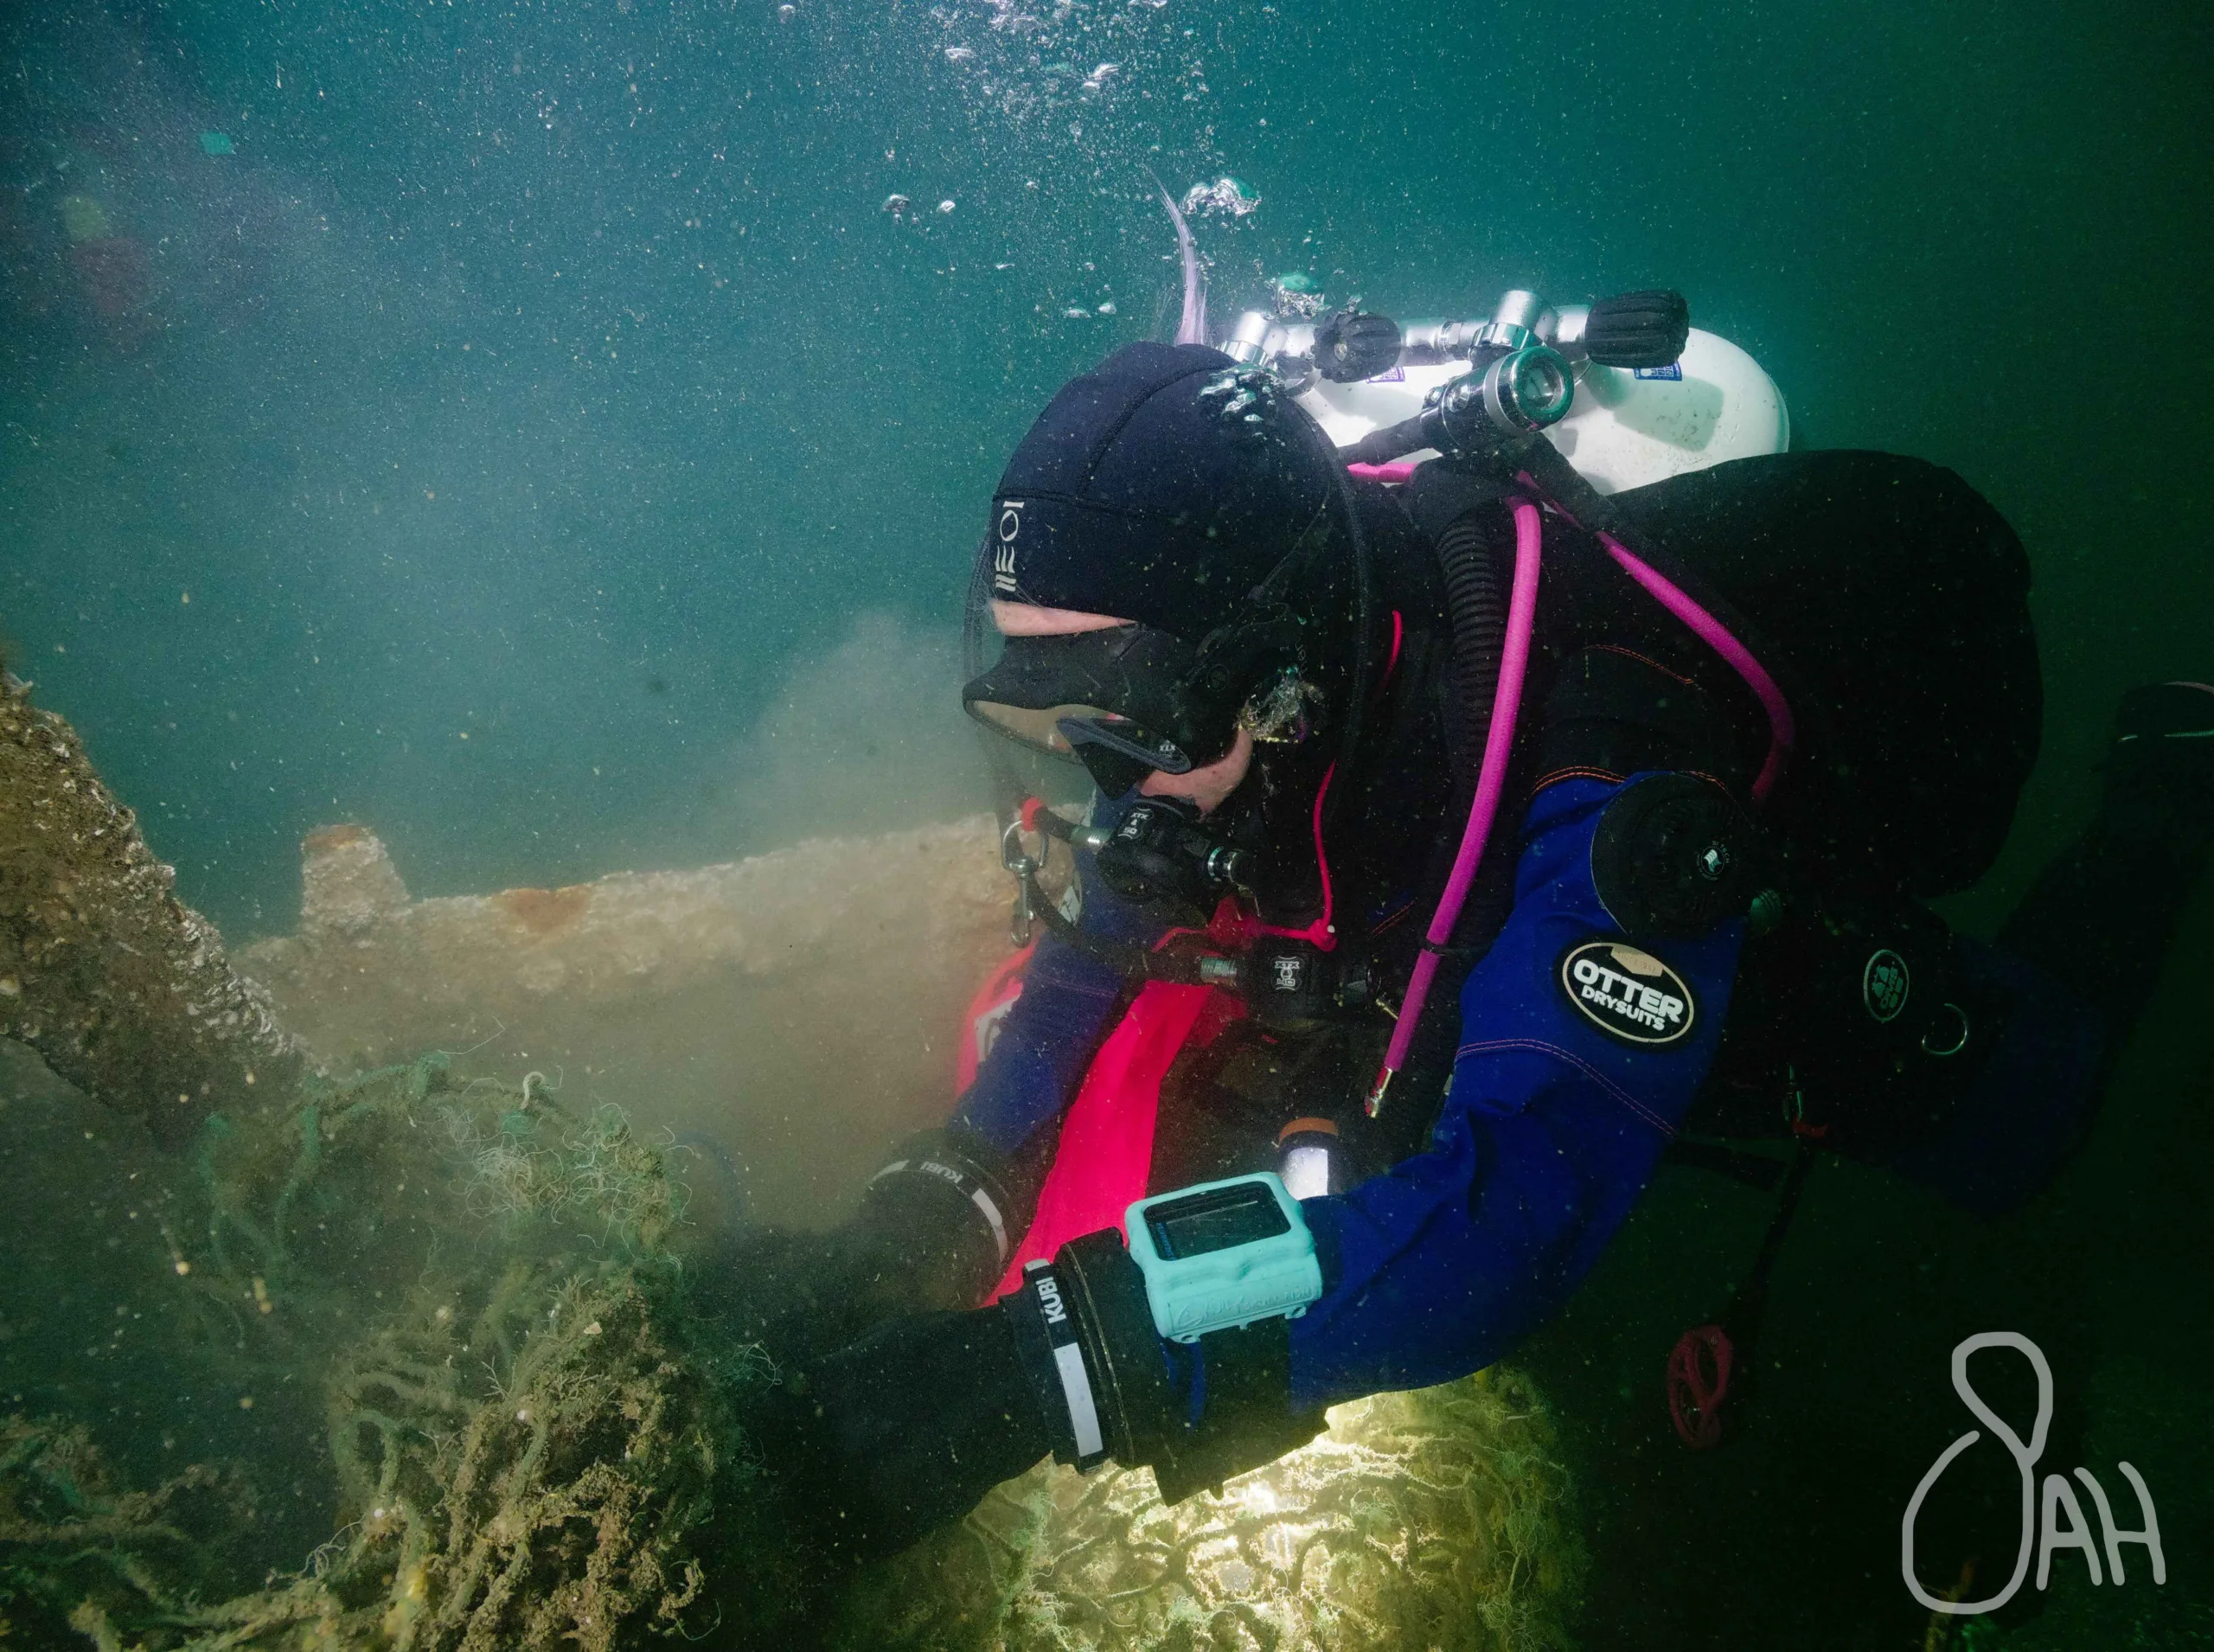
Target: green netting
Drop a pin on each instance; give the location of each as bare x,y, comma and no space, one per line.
528,1431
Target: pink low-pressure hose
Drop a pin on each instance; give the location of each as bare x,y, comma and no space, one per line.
1398,472
1491,785
1783,731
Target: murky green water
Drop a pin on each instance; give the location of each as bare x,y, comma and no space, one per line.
536,433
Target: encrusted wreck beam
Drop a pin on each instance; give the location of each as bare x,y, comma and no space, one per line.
121,987
802,1007
921,901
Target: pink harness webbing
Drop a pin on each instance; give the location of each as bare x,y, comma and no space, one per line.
1782,729
1106,1155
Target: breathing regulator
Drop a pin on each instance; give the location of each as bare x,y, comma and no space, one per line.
1159,855
1521,362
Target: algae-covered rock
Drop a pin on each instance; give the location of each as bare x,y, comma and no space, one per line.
1441,1517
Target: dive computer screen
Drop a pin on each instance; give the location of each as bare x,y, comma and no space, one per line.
1215,1221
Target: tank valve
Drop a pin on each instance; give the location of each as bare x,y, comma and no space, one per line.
1246,340
1350,345
1513,324
1638,329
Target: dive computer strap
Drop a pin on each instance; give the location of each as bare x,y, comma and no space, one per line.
1054,1354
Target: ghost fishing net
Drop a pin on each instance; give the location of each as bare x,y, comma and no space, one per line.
532,1440
527,1431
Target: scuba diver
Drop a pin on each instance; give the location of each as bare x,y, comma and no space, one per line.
1462,844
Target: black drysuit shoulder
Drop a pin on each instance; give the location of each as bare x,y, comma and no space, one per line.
1891,600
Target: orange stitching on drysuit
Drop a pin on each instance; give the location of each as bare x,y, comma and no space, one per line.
1612,778
1608,775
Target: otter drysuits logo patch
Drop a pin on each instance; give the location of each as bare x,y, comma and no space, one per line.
1628,994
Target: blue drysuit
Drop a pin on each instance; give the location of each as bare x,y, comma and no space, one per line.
1550,1130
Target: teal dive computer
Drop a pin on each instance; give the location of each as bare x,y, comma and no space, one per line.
1222,1254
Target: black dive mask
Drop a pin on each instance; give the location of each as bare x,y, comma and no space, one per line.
1123,701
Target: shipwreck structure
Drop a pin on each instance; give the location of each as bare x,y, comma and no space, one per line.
405,1277
123,989
799,1008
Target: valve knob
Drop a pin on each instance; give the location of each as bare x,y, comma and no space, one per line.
1638,329
1350,345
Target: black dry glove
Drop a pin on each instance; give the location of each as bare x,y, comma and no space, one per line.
2159,770
902,1432
895,1435
1143,1399
946,1211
